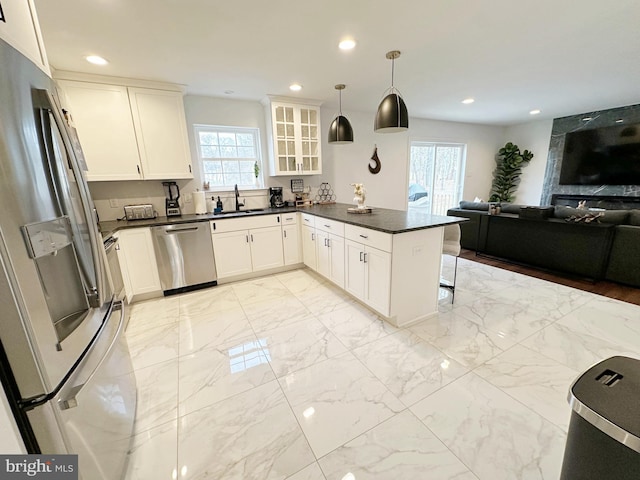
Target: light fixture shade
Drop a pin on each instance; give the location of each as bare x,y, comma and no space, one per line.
392,115
340,130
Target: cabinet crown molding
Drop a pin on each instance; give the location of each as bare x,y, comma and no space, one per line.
123,81
295,100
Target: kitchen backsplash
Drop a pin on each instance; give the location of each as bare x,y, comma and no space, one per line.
111,197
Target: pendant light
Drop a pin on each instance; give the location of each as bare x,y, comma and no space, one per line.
340,130
392,113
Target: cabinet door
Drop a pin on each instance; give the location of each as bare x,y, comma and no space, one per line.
102,116
128,289
354,269
310,158
160,125
136,247
291,244
232,252
20,29
336,259
285,146
266,248
378,279
309,246
323,260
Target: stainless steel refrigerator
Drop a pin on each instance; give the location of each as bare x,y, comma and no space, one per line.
64,362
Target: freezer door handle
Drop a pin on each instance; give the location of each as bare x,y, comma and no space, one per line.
71,400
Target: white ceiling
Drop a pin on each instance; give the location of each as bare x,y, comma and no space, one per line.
561,56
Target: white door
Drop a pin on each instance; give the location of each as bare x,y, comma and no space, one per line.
232,252
336,253
136,246
309,246
102,116
291,244
354,268
323,265
161,129
266,248
378,279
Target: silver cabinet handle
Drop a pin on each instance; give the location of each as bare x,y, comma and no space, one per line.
252,237
361,255
364,236
328,226
289,218
365,257
247,237
285,234
313,237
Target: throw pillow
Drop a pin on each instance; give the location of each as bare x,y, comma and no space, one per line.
474,205
634,217
617,217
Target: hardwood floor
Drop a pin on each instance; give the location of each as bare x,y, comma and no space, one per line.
605,288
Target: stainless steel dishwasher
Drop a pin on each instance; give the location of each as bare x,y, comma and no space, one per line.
185,257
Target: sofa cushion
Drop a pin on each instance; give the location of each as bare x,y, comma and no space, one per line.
634,218
484,206
510,207
617,217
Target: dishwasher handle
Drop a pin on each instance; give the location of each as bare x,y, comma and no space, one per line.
180,230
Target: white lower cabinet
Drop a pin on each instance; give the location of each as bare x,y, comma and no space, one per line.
330,256
232,252
291,244
368,275
240,250
309,246
138,262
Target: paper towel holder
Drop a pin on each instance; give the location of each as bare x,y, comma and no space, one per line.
199,203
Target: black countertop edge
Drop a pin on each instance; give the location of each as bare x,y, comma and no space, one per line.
381,219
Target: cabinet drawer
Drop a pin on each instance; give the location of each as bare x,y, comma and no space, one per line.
290,218
366,236
330,226
244,223
309,220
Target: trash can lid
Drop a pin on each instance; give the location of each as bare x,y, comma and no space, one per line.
608,396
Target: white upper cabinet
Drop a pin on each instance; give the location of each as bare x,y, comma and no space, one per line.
161,129
19,28
129,133
294,137
102,116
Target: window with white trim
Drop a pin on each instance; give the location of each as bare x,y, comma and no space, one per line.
229,156
436,173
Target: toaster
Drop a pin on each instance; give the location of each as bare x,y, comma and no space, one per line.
139,212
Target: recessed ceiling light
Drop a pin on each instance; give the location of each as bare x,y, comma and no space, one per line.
468,101
294,87
347,44
96,60
619,120
534,112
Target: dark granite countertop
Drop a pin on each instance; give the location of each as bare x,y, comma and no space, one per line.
381,219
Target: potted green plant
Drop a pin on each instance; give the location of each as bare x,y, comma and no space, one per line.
506,176
256,172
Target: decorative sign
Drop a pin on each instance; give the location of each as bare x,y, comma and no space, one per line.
28,467
375,169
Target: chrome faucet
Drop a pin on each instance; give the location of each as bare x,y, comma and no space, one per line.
238,203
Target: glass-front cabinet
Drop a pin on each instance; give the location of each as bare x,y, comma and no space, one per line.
295,138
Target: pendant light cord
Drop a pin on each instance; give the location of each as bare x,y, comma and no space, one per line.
393,65
340,91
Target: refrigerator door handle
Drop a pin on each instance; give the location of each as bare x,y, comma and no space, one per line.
71,400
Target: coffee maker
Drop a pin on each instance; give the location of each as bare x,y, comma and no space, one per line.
171,202
275,197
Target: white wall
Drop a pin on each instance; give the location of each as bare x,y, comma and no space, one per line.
346,164
535,137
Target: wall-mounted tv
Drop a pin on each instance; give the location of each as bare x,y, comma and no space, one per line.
602,156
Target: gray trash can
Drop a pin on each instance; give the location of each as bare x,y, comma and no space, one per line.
603,442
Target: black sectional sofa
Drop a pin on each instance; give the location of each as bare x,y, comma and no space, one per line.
607,249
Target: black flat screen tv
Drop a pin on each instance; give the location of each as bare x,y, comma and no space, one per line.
602,156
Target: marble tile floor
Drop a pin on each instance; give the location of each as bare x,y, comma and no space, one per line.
287,377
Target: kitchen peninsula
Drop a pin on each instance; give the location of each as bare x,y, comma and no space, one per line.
388,259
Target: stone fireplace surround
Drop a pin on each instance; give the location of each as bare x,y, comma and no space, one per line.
617,196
